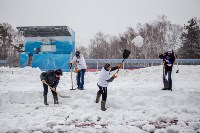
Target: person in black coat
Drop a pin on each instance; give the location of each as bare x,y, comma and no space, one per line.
168,61
50,79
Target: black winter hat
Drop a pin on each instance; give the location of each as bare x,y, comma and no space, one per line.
59,72
106,65
77,53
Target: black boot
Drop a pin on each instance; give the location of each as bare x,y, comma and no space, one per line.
103,104
55,97
165,89
45,100
98,97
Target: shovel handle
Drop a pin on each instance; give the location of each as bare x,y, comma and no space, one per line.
49,86
118,68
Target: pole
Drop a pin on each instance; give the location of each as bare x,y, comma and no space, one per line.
71,72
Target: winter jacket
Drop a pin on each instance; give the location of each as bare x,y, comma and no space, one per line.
104,77
168,60
50,78
80,62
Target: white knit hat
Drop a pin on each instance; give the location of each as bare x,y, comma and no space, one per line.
169,51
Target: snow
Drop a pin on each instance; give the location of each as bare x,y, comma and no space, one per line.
135,103
138,41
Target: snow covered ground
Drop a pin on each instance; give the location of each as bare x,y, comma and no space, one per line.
136,103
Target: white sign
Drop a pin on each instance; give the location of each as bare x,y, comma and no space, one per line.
48,48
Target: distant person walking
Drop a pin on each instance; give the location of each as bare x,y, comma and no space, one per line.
50,79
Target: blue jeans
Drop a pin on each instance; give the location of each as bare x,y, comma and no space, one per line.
80,78
169,73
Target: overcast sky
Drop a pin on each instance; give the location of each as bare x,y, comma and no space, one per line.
87,17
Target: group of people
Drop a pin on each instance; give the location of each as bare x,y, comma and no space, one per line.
51,78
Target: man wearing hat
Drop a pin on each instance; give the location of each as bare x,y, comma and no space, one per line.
80,64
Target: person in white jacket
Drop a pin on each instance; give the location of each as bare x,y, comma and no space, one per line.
103,81
80,64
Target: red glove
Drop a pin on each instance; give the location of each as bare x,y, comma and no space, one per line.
115,76
119,66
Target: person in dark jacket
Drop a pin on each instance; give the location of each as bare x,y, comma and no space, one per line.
168,61
103,81
50,79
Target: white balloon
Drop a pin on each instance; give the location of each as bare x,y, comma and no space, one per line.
138,41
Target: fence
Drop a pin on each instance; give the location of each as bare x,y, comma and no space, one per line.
97,64
3,63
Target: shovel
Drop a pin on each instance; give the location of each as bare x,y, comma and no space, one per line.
56,91
165,81
125,56
177,63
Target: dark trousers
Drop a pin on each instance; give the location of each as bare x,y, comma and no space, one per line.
46,90
80,78
169,73
103,91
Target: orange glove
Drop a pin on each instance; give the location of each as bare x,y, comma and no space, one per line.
115,76
76,70
119,66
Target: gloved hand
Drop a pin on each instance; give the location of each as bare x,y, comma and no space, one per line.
70,64
76,70
43,81
115,76
119,66
161,56
53,89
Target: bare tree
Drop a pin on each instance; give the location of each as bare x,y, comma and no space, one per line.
173,37
154,35
99,46
158,36
84,51
11,44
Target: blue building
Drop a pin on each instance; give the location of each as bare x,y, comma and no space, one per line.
47,47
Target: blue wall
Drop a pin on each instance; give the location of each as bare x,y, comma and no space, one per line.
23,59
51,61
61,47
65,45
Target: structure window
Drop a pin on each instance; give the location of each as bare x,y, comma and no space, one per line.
48,48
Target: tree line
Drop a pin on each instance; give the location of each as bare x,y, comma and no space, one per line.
11,44
158,36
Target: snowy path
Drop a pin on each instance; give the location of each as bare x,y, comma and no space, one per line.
135,103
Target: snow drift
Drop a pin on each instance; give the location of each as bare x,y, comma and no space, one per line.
135,103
